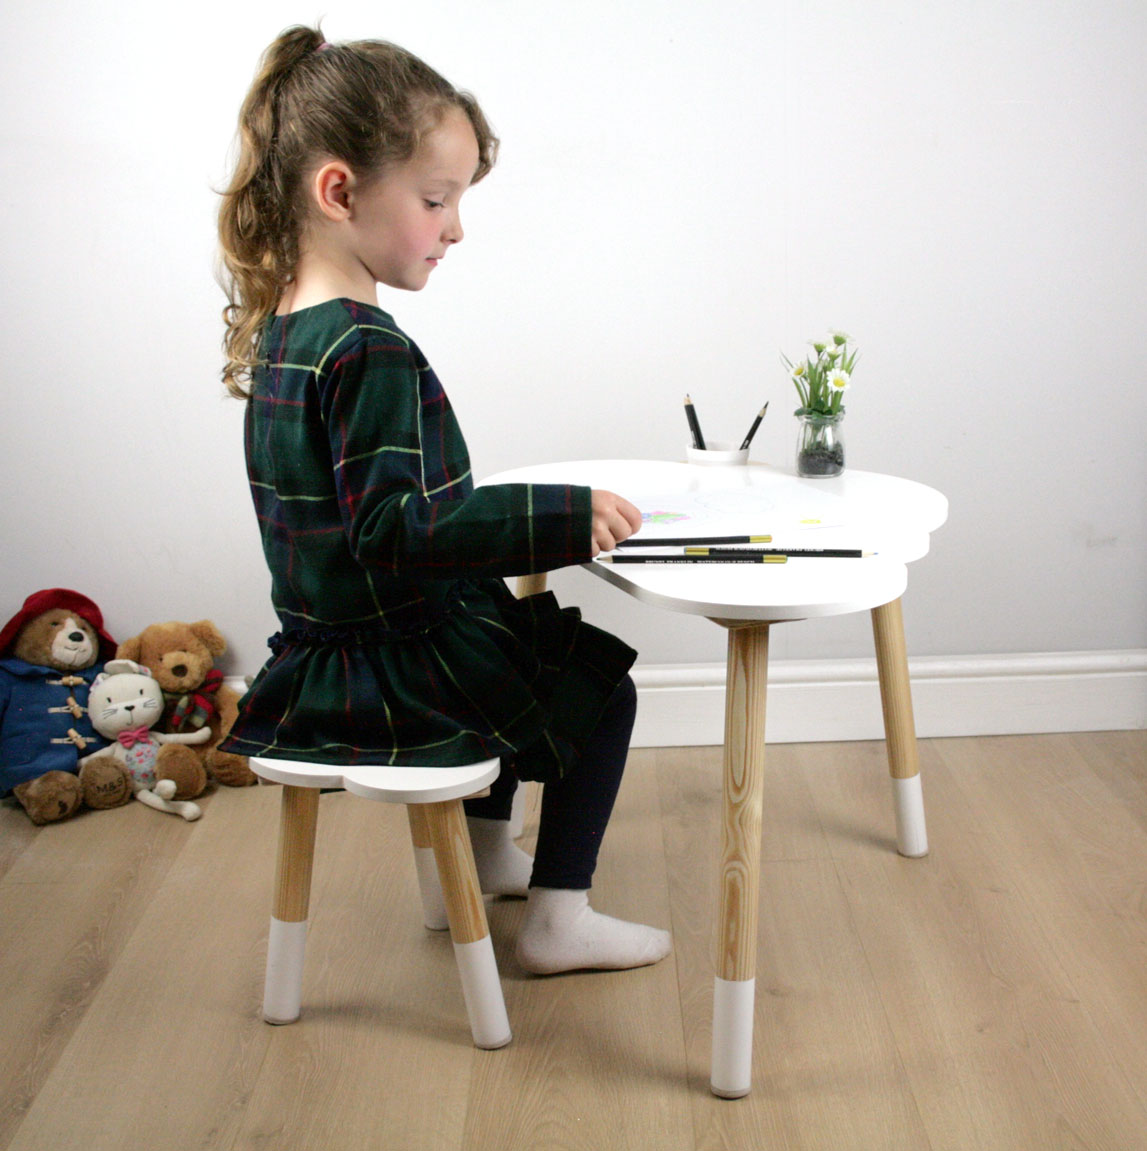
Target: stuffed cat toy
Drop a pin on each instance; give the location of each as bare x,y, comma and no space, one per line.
123,703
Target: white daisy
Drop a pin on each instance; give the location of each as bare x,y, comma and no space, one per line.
839,338
838,380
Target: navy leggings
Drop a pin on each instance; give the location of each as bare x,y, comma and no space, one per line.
576,808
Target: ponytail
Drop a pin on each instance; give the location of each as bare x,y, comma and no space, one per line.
368,103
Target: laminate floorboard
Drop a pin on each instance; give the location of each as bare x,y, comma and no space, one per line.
992,995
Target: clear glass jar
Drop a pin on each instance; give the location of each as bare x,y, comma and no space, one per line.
820,445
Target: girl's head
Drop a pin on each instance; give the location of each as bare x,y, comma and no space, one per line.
368,104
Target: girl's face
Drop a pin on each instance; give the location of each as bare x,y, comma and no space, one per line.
404,221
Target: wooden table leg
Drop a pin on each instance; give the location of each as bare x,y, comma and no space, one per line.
298,820
900,728
530,585
734,986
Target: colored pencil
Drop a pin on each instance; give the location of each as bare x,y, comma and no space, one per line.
743,558
829,553
753,430
684,541
694,426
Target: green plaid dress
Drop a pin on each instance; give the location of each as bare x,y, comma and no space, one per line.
399,641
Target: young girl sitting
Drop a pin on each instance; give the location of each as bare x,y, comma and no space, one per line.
400,644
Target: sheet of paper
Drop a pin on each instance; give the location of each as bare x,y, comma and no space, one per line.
747,511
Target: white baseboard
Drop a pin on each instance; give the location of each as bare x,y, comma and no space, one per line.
683,705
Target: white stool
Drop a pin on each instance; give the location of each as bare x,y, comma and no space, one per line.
433,796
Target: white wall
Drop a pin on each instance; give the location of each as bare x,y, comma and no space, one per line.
686,191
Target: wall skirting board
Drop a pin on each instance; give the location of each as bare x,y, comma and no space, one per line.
682,705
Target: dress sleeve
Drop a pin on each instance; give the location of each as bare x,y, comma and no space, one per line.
402,475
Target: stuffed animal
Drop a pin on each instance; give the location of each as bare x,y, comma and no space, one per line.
124,701
182,657
49,654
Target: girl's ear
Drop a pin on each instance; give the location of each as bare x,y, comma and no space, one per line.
331,189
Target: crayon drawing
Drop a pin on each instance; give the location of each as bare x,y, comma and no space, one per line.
739,511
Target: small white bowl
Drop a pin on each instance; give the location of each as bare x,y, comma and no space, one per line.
717,453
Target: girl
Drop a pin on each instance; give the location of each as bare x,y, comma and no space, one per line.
400,644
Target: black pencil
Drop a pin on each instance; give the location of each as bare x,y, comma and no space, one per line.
753,430
830,553
685,541
694,426
732,558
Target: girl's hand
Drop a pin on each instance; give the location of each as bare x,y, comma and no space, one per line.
614,519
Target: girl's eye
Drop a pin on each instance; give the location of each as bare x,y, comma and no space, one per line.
434,204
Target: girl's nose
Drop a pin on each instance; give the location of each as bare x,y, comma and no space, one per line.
453,232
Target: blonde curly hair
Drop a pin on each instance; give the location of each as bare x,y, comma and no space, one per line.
366,102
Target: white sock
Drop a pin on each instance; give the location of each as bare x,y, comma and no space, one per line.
561,932
503,867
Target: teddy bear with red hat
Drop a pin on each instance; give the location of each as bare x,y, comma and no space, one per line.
50,652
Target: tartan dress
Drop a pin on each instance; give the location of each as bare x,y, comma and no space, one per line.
399,642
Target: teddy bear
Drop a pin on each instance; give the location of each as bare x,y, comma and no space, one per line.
123,703
181,656
50,651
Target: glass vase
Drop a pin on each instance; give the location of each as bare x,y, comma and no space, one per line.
820,445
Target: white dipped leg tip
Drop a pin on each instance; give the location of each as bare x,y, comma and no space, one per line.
911,830
482,991
282,991
430,889
731,1074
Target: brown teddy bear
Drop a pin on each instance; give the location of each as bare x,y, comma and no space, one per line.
181,656
50,652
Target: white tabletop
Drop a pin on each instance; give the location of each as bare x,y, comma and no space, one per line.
882,514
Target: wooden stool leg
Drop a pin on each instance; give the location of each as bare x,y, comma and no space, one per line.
282,991
734,988
900,729
481,987
429,888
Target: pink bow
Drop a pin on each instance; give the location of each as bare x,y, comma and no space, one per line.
135,735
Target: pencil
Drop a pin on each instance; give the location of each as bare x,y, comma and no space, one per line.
730,558
694,426
831,553
753,430
684,541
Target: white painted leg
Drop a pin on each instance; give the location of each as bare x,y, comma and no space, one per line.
731,1072
911,830
482,990
283,989
429,886
433,905
518,812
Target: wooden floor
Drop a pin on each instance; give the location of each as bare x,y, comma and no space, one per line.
993,995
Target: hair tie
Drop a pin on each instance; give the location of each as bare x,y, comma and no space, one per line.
323,46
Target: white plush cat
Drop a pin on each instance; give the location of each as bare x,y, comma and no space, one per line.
123,703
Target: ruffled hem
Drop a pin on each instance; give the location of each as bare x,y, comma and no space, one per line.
497,677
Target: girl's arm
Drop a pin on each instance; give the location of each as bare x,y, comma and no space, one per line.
404,486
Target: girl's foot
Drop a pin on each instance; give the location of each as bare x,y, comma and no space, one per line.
561,932
503,867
